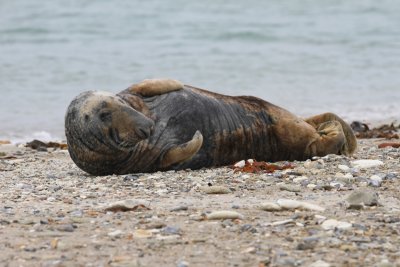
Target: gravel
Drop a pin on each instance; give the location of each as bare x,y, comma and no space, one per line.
329,211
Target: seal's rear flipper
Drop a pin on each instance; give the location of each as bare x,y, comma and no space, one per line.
183,152
152,87
350,140
330,139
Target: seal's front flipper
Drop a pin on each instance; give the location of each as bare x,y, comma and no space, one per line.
183,152
152,87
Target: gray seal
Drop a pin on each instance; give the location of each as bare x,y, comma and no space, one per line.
159,125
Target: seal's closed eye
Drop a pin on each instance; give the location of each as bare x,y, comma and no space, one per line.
105,116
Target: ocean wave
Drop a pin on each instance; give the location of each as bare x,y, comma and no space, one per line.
22,139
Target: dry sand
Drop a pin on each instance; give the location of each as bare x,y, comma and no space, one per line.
53,214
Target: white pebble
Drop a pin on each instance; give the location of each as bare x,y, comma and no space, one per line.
344,168
376,178
320,263
282,222
115,234
270,206
320,218
240,164
311,186
224,214
336,184
294,204
332,224
366,163
51,199
300,179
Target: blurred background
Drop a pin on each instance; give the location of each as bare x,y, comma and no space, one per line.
309,56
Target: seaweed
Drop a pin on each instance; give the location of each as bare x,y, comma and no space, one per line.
252,166
387,131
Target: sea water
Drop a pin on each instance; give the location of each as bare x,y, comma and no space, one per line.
309,56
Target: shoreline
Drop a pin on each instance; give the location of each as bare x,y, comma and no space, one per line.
54,214
48,136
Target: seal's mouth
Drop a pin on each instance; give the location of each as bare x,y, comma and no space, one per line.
114,135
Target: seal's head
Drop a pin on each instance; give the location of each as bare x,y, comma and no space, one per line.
101,129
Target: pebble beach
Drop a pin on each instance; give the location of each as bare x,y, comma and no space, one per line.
329,211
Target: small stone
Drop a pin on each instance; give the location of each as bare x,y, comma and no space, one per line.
344,168
66,228
179,208
294,204
270,206
307,243
127,205
170,230
240,164
311,186
385,263
155,225
320,263
284,222
288,204
290,188
359,199
23,186
224,214
142,233
300,179
310,206
54,243
366,163
375,180
347,179
215,189
286,262
392,175
76,213
115,234
249,250
332,224
336,185
182,264
51,199
44,221
317,164
131,178
320,218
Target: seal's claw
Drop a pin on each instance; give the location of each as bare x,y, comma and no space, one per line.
152,87
184,151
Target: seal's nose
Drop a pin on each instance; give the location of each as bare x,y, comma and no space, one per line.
144,132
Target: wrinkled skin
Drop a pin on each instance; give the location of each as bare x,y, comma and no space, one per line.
192,128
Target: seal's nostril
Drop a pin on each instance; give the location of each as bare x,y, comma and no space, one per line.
144,133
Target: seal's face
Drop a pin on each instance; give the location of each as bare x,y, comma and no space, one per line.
108,120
